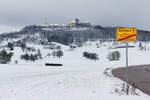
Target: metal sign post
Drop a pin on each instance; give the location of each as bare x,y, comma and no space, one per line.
127,87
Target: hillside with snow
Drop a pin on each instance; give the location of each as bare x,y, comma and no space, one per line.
79,78
86,57
64,34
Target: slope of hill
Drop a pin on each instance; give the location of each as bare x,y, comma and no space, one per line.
79,78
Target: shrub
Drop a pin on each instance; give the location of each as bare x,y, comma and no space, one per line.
59,54
39,55
58,47
92,56
25,56
10,46
5,57
114,56
30,57
85,54
54,54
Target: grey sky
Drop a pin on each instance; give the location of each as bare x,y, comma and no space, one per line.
129,13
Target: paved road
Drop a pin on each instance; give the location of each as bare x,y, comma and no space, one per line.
136,74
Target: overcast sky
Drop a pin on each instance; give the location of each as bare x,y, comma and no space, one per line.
129,13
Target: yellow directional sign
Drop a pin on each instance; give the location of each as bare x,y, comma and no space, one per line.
126,34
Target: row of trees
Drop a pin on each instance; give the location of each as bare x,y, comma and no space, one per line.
112,56
57,53
30,57
34,57
92,56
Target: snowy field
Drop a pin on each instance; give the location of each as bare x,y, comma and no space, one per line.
78,79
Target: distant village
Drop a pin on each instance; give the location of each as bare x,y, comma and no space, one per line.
73,24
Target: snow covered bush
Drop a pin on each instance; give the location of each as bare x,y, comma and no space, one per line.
85,54
58,47
10,46
39,54
141,47
97,45
59,53
54,54
114,56
31,57
92,56
132,89
5,57
23,46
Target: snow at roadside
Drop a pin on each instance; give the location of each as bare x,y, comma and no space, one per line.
78,78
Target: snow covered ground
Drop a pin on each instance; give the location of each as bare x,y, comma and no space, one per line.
78,79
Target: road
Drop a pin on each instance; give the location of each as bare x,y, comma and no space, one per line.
136,74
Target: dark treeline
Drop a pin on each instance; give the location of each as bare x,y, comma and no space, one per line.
40,35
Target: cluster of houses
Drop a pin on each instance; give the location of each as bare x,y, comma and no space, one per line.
77,24
50,45
73,24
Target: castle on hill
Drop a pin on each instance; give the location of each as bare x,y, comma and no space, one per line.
77,24
73,24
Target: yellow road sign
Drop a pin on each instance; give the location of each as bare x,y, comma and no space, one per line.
126,34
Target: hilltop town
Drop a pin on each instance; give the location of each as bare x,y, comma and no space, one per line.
73,24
